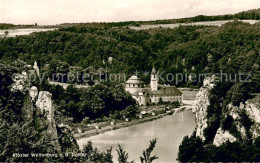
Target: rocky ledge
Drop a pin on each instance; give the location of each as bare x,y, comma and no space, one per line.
250,109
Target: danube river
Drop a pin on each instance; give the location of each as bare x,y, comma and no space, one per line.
169,132
26,31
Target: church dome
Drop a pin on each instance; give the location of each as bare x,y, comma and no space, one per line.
134,80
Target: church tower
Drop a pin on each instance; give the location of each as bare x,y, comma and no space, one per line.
154,80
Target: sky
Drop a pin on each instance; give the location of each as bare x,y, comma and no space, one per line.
50,12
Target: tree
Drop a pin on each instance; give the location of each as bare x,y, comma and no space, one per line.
146,158
131,111
160,101
23,138
93,155
122,155
6,33
239,93
191,149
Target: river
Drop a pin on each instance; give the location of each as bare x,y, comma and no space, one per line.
205,23
26,31
169,132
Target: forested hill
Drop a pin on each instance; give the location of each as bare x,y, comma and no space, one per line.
232,47
226,115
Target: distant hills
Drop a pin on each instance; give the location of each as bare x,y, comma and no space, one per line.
253,14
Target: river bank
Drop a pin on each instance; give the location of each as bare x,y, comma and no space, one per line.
133,122
169,131
189,96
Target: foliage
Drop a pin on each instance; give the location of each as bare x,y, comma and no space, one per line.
239,93
191,149
130,112
147,158
175,104
178,50
246,122
6,33
10,102
122,155
98,101
93,155
22,138
8,26
233,48
160,101
29,135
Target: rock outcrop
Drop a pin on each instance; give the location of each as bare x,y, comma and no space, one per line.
19,84
234,113
223,136
44,103
252,111
35,110
36,68
33,93
201,104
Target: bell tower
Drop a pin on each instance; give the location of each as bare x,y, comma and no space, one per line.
154,80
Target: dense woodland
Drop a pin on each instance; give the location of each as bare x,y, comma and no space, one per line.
97,103
231,48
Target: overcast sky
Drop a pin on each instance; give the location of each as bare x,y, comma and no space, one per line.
74,11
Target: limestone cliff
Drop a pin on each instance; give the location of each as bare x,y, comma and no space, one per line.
240,131
252,111
201,103
45,105
38,109
223,136
19,84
